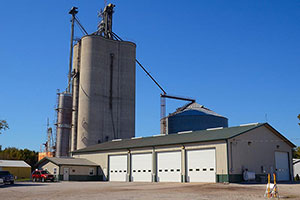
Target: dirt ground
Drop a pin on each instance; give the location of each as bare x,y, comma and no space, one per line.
141,191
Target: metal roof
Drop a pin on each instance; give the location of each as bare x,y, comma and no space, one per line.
194,108
13,163
69,161
172,139
295,161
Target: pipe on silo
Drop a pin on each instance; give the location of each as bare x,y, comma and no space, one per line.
64,117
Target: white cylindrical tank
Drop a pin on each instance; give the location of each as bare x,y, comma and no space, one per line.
106,104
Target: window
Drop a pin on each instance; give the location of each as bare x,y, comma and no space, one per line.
54,170
91,172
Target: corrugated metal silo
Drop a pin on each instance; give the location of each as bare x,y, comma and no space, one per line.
63,129
106,104
194,117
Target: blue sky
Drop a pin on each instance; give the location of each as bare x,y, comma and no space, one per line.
238,58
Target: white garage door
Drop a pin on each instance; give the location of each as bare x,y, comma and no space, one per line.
169,166
282,166
117,167
141,167
201,165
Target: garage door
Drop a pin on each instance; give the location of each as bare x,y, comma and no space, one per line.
282,166
117,167
141,167
169,166
201,165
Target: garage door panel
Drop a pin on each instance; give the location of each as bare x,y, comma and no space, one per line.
117,167
169,166
141,167
201,165
282,166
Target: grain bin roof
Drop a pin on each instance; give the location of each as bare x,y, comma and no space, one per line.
13,163
68,161
194,108
172,139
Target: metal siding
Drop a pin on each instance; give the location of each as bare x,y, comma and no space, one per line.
194,123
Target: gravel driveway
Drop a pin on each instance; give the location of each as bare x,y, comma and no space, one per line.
140,191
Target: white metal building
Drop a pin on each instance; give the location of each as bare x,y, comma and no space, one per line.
70,169
296,166
212,155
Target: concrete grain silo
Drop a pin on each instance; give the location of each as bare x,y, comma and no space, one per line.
75,91
103,87
194,117
63,126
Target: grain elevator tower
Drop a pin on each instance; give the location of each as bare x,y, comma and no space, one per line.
103,87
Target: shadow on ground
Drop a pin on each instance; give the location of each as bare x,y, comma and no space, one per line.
21,185
280,183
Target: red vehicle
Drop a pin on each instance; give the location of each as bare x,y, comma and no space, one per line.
42,175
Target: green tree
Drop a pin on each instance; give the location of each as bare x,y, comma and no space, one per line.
3,125
12,153
299,118
296,152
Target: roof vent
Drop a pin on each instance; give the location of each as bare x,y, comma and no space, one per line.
249,124
211,129
182,132
116,140
158,135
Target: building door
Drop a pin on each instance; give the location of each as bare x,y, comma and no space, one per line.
66,174
282,166
117,167
141,167
201,165
169,166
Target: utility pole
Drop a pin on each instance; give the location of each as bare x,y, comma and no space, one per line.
72,12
